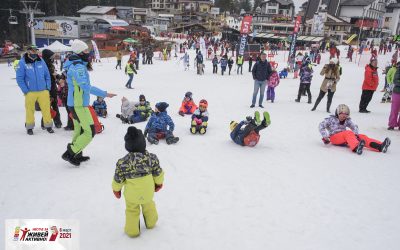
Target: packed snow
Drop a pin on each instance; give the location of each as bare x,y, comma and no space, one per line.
289,192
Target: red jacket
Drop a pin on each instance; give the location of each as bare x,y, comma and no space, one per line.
188,107
371,78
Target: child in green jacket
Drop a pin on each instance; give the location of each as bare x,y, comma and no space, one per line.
140,174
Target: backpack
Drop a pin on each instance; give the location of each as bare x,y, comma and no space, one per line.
251,139
98,126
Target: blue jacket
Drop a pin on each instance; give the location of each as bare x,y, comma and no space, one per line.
33,76
79,88
160,122
306,74
261,71
99,105
223,62
237,134
199,58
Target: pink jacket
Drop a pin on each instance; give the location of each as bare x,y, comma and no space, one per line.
273,80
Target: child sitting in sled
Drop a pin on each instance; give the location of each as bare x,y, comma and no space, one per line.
200,118
188,106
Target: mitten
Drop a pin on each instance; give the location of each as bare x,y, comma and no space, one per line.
117,194
157,187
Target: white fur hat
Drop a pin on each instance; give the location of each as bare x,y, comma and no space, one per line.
78,46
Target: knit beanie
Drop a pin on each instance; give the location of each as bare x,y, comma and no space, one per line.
134,140
162,106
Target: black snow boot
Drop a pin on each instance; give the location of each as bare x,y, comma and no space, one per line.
359,148
385,144
172,140
152,140
70,156
29,132
81,157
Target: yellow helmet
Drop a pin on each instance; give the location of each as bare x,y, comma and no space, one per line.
233,125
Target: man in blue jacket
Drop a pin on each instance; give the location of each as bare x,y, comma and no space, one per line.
261,73
79,90
33,78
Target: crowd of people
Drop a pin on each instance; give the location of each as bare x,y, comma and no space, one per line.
139,172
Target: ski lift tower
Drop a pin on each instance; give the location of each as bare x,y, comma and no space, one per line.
30,7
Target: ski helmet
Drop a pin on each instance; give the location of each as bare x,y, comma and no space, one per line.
342,109
188,94
233,125
203,103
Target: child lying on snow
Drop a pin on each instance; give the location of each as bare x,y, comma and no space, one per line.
135,112
140,174
334,130
188,106
249,135
283,73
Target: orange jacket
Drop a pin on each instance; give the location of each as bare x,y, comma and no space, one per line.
188,107
371,78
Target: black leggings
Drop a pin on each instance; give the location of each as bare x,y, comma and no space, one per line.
304,88
321,95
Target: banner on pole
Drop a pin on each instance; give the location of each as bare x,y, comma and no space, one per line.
96,50
244,30
292,51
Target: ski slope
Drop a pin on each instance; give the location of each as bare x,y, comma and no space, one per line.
289,192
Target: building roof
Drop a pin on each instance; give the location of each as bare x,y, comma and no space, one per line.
70,18
281,2
393,6
95,9
357,2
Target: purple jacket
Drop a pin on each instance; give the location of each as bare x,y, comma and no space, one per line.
332,125
273,80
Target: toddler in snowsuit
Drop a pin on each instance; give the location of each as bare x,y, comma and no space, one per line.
249,135
188,106
215,63
283,73
160,126
273,81
100,107
135,112
334,130
200,119
224,63
140,175
127,109
305,80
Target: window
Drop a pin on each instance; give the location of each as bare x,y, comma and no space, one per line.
271,11
387,19
389,10
272,4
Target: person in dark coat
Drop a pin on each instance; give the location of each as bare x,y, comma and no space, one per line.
261,73
48,57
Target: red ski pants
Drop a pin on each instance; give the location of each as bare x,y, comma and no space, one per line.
348,137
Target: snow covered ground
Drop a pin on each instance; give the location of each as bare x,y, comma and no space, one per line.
289,192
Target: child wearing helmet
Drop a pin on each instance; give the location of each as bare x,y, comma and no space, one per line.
200,118
250,134
188,106
334,130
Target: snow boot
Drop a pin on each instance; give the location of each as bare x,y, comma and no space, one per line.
152,140
203,130
193,130
29,132
267,119
359,149
172,140
385,144
297,100
181,113
257,118
70,156
50,130
81,157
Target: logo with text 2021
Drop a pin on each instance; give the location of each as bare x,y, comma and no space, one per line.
41,233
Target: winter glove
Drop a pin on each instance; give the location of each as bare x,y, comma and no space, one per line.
326,140
145,133
117,194
157,187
